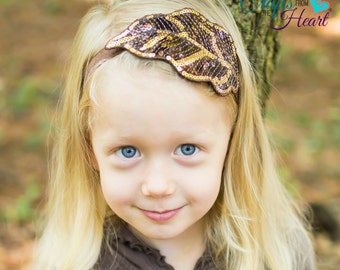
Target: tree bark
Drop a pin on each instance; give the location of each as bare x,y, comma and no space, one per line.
261,41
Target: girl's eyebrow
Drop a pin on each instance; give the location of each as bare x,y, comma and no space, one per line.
122,137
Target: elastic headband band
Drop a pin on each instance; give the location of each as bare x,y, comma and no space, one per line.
198,49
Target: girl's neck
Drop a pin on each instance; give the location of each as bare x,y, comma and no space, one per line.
183,251
182,254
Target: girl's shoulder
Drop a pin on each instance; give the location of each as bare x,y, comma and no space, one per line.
304,250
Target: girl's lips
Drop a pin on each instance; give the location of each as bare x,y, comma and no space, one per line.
161,216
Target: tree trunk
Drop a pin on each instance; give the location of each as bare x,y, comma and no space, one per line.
261,41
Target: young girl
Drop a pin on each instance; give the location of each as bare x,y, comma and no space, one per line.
162,160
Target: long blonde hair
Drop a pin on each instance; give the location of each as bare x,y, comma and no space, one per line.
253,224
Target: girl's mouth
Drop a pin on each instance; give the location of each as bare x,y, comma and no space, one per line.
161,216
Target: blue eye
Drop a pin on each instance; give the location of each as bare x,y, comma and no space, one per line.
186,149
128,152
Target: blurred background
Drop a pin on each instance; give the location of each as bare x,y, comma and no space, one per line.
303,117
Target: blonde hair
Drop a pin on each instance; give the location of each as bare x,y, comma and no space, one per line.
253,224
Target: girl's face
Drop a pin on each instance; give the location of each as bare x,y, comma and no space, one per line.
159,145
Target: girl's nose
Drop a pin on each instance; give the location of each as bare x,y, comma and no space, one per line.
157,182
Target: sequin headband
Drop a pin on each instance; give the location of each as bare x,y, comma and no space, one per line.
198,49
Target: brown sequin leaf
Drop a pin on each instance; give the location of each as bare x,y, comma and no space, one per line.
198,49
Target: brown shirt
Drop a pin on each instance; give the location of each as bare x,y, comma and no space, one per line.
122,250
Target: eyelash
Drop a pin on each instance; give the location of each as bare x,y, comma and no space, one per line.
129,151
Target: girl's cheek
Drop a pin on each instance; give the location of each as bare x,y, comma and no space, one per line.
113,194
118,184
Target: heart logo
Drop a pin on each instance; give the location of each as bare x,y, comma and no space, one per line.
319,5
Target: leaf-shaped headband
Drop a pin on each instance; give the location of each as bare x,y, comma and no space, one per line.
198,49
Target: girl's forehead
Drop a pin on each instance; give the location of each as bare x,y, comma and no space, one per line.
144,94
155,112
150,82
